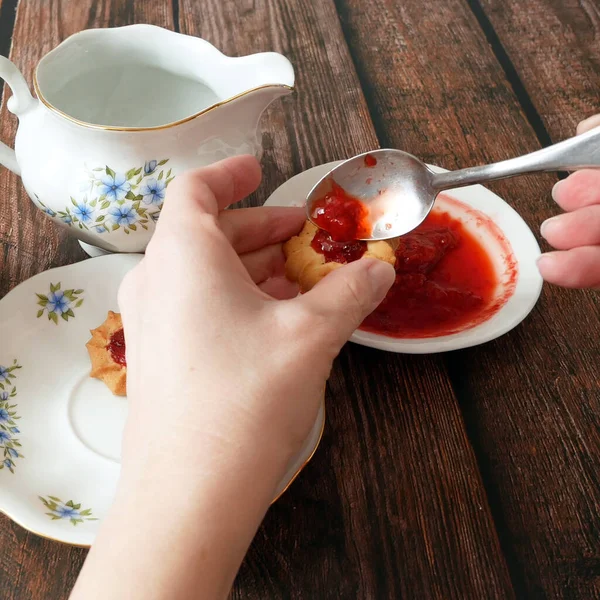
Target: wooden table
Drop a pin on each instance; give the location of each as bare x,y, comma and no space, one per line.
472,474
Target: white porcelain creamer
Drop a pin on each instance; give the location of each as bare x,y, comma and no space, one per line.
120,113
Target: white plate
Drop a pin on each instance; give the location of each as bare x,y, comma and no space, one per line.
67,426
525,251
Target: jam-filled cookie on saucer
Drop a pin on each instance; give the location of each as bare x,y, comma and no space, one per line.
107,353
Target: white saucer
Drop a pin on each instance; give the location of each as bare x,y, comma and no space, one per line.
525,251
60,431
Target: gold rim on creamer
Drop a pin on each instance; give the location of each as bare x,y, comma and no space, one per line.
53,108
88,546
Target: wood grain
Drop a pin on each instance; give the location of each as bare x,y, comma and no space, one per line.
407,512
555,48
7,19
530,399
392,505
32,567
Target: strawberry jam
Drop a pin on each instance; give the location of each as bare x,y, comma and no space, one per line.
370,160
341,252
444,282
344,217
116,347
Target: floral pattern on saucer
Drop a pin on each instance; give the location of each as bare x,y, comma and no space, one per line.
9,444
71,426
68,511
110,200
7,374
59,303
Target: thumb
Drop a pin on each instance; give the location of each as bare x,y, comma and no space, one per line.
347,295
588,124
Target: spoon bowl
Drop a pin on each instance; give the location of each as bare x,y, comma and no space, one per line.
399,190
395,186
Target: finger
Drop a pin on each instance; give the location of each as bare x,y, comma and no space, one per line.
587,124
579,189
280,288
570,230
343,299
248,229
577,268
264,263
210,189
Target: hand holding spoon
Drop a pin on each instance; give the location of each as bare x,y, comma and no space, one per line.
400,190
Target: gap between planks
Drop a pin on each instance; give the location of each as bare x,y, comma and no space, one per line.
8,13
533,118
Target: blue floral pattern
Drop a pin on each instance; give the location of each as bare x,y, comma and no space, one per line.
7,375
150,166
83,212
10,447
66,511
153,191
110,200
59,303
113,186
124,215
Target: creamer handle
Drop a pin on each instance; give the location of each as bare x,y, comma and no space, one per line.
18,103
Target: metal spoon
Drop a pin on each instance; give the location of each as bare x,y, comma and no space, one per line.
400,189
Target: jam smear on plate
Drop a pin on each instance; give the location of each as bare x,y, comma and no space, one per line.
444,281
344,217
116,347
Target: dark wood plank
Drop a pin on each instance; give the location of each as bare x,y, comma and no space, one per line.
31,567
530,399
392,505
7,22
561,77
555,49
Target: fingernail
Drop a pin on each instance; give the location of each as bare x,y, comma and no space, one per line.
381,275
548,226
545,263
543,260
556,187
588,124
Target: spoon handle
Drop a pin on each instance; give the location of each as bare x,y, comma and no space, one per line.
580,152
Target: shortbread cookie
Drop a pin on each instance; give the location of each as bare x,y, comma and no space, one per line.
107,353
312,254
